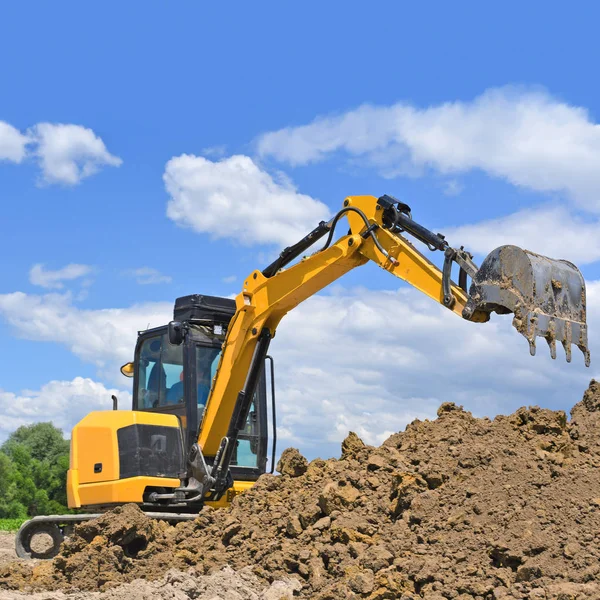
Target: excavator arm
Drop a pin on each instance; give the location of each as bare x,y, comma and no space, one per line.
514,283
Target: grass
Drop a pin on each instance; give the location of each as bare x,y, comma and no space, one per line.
11,524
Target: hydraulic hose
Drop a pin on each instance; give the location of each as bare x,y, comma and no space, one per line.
370,231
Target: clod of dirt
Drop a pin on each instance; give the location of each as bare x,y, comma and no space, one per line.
126,527
454,508
352,445
292,463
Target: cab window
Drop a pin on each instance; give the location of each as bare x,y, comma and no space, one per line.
245,453
207,360
160,381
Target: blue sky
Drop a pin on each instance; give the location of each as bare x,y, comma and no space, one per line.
153,81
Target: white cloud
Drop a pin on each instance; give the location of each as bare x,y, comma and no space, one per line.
549,230
148,275
524,136
62,402
215,151
370,361
13,144
49,279
69,153
234,198
105,337
453,187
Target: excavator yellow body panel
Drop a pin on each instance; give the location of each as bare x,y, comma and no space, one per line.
95,477
100,452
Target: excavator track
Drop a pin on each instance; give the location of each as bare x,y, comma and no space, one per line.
57,527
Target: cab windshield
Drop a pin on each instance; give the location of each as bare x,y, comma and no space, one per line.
160,380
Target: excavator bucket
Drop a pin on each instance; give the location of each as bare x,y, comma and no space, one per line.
546,296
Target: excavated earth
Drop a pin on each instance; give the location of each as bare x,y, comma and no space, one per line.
458,507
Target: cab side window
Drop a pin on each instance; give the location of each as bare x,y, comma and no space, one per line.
207,360
246,450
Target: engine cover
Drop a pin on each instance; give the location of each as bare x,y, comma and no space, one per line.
115,455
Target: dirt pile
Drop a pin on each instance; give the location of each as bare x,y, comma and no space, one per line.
457,508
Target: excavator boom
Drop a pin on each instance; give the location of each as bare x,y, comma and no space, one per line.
546,296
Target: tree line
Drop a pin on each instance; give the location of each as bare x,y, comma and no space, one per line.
33,472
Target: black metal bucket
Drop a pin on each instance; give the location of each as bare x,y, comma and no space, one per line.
547,297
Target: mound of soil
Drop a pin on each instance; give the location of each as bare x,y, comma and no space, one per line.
453,508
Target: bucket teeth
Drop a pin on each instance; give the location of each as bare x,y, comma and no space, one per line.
551,338
547,297
567,341
553,329
532,347
567,348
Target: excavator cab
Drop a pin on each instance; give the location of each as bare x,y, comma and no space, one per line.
173,375
141,455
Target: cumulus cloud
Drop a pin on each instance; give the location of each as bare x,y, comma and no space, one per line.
148,276
550,230
234,198
13,144
105,337
69,153
524,136
368,361
62,402
66,153
46,278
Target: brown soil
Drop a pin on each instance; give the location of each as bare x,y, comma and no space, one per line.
226,584
7,548
457,508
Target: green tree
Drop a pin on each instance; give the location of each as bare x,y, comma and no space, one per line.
6,475
44,441
33,470
10,507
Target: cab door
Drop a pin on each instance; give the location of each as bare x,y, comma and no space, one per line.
249,458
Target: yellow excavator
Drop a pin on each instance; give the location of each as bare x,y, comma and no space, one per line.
197,432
